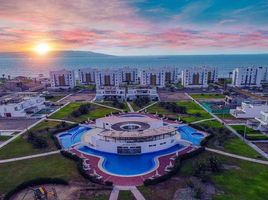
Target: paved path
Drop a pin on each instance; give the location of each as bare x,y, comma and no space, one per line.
114,194
130,107
137,194
64,97
29,157
237,156
147,106
231,129
203,120
98,104
19,134
60,120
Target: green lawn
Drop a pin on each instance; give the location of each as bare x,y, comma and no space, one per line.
247,182
211,124
56,166
125,195
225,116
239,147
54,98
156,108
193,110
251,134
21,147
110,103
94,113
208,96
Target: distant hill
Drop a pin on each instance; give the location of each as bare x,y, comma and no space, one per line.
55,54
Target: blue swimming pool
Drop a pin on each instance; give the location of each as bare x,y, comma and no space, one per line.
129,165
190,134
72,136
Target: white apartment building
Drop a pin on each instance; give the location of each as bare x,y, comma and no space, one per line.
123,93
21,105
108,77
198,77
64,79
249,109
158,76
129,75
87,76
248,76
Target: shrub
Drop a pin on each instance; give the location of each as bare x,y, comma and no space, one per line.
36,141
141,101
173,107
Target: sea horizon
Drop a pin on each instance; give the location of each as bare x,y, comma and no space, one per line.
15,65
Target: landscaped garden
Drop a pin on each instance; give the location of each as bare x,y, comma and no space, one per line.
79,111
36,140
140,103
115,104
250,133
55,166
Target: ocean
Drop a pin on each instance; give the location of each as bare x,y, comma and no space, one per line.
25,66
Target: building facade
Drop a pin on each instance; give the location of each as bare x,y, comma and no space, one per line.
158,77
64,79
198,77
87,76
248,76
21,105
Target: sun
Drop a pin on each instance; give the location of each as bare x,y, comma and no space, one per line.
42,48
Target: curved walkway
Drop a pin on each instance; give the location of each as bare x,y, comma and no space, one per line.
29,157
237,156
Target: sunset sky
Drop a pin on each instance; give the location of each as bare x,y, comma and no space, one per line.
136,27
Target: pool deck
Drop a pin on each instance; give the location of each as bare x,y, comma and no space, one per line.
133,180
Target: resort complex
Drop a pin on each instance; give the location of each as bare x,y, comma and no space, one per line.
125,132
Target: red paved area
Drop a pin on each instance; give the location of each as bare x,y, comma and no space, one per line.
128,181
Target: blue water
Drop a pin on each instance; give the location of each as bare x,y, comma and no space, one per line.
32,66
126,165
72,136
190,134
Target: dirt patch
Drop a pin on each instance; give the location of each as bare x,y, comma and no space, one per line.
79,97
172,96
71,192
262,145
16,124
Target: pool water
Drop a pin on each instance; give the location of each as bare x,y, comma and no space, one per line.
72,136
129,165
190,134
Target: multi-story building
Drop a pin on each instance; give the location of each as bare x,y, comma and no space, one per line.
198,77
248,76
125,93
87,76
129,76
64,79
108,77
21,105
158,76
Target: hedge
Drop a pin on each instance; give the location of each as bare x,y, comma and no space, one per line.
81,170
33,183
175,169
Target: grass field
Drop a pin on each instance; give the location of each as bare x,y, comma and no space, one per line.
20,147
211,124
125,195
156,108
194,110
110,103
94,113
14,173
251,134
54,98
208,96
249,181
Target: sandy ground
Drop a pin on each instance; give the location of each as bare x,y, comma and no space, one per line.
79,97
16,124
172,96
70,192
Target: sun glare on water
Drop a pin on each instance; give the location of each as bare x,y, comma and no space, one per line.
42,48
